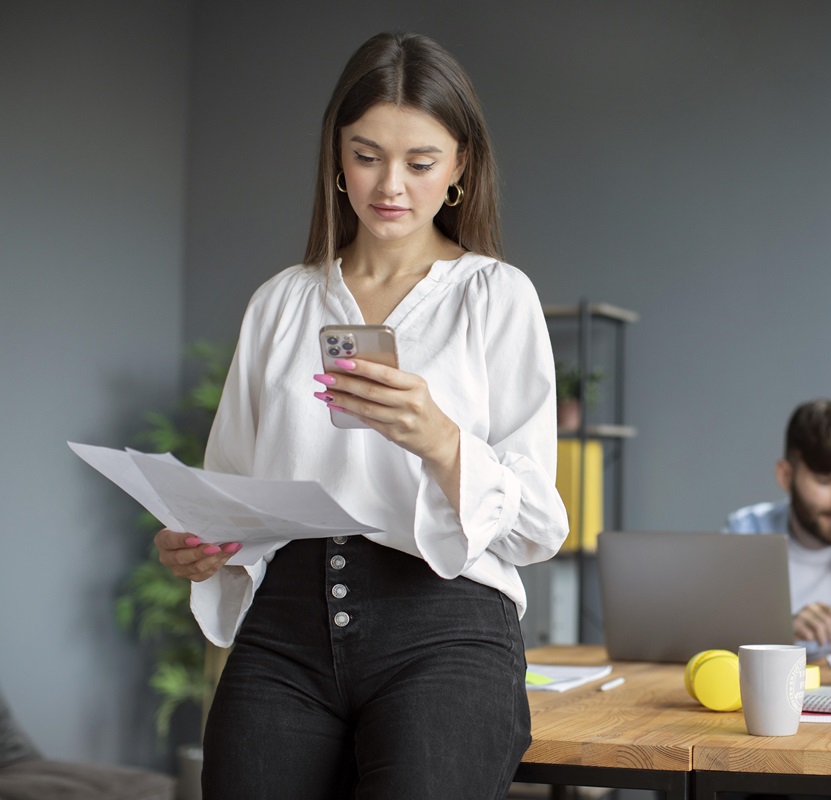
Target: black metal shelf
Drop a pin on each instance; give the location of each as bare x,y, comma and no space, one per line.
602,431
589,318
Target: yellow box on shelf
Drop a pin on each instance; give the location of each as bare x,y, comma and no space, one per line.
569,474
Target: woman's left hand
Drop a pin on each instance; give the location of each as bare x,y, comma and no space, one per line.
396,404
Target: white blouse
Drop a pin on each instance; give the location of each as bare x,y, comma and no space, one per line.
474,330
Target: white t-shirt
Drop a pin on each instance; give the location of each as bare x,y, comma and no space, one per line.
809,569
810,574
473,328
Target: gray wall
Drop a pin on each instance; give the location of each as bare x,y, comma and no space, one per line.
92,135
667,156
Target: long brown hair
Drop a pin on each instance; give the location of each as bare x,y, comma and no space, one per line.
411,71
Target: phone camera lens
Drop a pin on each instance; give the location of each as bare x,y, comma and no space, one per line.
331,340
334,351
348,346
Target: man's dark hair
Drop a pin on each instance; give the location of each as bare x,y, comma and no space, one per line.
809,435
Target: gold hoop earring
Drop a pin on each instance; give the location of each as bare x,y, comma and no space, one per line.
460,193
337,182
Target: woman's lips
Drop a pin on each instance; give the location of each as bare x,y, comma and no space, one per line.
390,212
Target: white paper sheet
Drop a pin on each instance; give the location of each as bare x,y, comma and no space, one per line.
223,508
561,678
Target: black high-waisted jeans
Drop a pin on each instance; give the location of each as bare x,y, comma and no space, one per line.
359,673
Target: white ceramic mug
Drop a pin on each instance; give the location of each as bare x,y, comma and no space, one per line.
772,684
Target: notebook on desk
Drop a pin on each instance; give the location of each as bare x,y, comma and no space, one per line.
668,596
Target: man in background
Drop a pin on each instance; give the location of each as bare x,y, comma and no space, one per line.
805,515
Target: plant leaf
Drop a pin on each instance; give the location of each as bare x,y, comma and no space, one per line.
154,603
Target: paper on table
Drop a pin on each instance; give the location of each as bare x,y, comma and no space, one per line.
223,508
561,678
816,705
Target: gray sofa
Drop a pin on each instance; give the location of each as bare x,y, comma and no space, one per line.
26,775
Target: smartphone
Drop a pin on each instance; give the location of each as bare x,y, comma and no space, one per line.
370,342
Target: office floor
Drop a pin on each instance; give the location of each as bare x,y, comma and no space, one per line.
529,791
535,791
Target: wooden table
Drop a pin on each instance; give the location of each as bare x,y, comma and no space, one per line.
650,734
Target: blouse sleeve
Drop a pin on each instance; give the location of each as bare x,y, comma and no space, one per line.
220,602
509,504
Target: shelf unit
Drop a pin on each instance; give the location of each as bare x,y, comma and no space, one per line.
596,334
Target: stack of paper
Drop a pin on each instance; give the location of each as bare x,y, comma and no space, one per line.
223,508
558,678
816,706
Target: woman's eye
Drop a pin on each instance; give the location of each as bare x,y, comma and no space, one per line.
423,167
364,159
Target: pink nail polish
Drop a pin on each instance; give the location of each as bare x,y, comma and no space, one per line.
192,541
345,363
334,407
233,547
325,379
327,398
211,550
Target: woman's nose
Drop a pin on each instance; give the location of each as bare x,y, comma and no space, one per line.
391,182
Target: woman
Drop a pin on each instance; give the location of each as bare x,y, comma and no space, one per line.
388,665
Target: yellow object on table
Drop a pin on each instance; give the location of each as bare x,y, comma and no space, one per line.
812,677
712,678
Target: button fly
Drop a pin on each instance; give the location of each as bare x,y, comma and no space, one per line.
339,591
339,539
341,619
338,562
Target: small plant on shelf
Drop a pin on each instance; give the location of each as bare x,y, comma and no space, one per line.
569,394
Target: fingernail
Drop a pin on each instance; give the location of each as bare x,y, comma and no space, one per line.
334,407
233,547
326,379
211,550
192,541
327,398
345,363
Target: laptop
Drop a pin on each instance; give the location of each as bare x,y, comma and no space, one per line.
668,596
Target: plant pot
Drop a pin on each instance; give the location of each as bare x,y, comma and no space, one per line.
568,416
189,777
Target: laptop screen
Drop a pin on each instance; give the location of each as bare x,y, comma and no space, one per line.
667,595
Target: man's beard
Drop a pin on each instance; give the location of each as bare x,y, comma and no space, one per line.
809,518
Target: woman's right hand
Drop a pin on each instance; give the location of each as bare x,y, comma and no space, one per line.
188,557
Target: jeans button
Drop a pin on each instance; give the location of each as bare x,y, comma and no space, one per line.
341,619
338,562
339,591
339,539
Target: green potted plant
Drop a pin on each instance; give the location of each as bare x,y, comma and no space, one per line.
154,602
569,394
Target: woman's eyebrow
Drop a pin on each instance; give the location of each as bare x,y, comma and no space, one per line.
428,148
